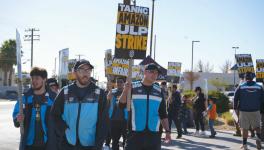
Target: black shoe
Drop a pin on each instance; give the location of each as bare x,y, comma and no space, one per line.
237,134
212,136
179,136
252,134
214,133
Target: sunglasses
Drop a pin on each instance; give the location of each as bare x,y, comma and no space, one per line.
83,70
152,71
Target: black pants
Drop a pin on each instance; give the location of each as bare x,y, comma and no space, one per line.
108,138
143,141
78,146
35,148
118,129
174,116
198,120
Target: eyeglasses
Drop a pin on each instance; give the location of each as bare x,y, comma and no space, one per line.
83,70
152,71
119,81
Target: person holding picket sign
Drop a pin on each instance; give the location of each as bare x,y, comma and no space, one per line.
148,109
118,117
37,103
80,112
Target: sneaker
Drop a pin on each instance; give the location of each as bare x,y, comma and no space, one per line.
196,133
237,134
215,133
203,133
258,143
252,134
212,136
179,136
244,147
106,147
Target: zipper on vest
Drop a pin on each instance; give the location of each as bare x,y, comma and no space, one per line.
77,122
147,111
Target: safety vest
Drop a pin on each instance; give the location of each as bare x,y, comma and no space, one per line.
81,116
45,106
113,103
144,108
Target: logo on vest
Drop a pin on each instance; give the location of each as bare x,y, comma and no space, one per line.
97,91
155,93
71,99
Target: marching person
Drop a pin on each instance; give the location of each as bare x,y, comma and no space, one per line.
80,112
174,110
148,109
118,116
52,83
199,106
211,109
37,103
247,101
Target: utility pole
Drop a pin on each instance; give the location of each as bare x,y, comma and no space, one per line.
127,2
31,37
192,54
155,47
79,56
55,67
151,33
235,48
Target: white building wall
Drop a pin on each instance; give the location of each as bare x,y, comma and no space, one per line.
226,77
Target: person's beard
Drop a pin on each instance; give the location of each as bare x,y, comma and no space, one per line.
83,83
37,88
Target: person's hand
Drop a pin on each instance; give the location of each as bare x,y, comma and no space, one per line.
109,86
167,138
127,87
20,117
237,112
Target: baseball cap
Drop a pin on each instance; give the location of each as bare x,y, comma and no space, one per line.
82,62
52,82
152,66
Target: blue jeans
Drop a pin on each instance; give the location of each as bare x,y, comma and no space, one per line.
211,125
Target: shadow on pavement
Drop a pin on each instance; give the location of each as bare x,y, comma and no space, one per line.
217,143
191,145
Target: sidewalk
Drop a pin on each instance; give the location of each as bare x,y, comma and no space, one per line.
224,140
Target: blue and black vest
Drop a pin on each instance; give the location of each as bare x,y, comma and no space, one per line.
30,116
144,108
81,116
114,104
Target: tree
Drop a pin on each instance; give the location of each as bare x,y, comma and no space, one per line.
218,83
191,77
225,68
208,67
8,59
202,67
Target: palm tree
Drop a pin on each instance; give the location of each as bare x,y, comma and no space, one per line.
8,59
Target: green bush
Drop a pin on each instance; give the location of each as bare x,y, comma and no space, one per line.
189,93
221,101
228,118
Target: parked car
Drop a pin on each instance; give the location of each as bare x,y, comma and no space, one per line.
230,95
12,95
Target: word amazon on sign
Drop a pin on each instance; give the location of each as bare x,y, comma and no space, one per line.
131,32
